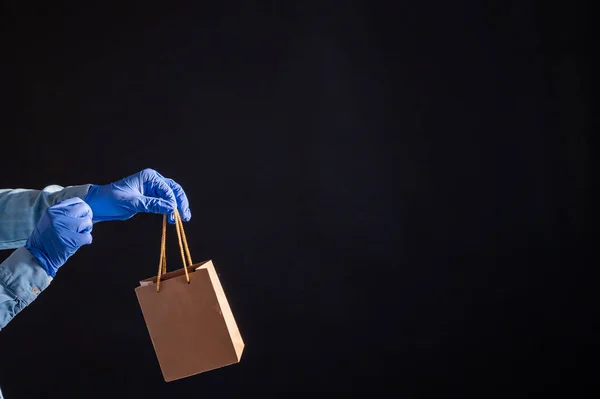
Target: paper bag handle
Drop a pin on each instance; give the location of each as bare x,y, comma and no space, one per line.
183,247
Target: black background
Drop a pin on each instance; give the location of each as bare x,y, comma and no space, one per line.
396,196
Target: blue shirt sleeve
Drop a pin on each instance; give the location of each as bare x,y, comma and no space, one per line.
22,279
20,210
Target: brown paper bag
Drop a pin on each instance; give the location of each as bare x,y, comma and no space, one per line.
188,317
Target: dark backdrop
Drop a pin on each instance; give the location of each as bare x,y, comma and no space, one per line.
396,196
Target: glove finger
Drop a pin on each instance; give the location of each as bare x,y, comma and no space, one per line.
153,205
76,209
73,224
80,210
85,238
84,225
73,241
183,205
69,201
156,186
182,200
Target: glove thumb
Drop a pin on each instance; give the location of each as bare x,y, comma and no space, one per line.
154,205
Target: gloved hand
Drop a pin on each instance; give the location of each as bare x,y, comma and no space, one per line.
60,232
145,191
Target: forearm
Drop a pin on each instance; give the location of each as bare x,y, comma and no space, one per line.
22,279
20,209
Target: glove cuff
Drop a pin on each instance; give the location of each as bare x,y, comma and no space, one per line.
42,259
91,191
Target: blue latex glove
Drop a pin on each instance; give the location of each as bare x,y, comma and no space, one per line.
60,232
145,191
